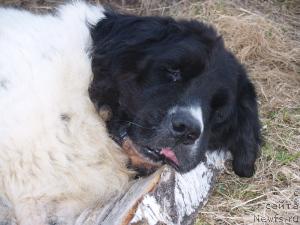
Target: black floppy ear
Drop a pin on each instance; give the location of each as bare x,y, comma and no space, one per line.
245,145
103,92
103,89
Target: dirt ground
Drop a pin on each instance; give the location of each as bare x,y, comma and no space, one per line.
265,36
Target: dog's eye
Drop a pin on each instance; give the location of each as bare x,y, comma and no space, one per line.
173,74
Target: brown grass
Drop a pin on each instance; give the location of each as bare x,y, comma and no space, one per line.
265,36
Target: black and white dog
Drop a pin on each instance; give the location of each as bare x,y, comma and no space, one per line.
172,87
174,90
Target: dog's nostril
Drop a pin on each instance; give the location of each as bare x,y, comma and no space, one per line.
192,136
178,127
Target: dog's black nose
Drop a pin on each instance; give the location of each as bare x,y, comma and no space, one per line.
185,127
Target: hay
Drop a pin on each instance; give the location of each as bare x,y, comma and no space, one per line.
265,37
271,54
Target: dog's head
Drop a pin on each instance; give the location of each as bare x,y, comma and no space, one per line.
174,91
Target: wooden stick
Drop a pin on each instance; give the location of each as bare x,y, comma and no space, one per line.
165,197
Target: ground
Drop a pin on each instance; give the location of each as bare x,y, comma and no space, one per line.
265,36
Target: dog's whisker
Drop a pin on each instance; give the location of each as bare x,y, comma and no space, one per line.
136,124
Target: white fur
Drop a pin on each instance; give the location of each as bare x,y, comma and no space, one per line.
55,155
196,112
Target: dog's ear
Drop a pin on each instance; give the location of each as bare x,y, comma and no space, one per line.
103,90
245,143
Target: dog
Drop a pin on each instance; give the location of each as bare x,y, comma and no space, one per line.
172,90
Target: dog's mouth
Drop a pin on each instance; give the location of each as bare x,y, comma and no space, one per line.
147,158
170,157
166,155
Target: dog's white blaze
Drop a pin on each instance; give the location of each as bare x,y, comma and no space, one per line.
197,114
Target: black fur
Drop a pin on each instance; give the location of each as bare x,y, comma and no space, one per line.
144,66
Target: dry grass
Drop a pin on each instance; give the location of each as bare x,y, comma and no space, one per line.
265,36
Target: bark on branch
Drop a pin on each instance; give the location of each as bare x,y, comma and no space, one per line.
165,197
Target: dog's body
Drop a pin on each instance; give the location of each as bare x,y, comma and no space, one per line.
56,157
173,89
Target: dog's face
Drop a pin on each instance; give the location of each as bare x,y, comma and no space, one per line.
174,91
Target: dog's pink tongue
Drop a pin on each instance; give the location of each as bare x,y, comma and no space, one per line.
169,154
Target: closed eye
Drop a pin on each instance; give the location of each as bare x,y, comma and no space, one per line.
173,74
